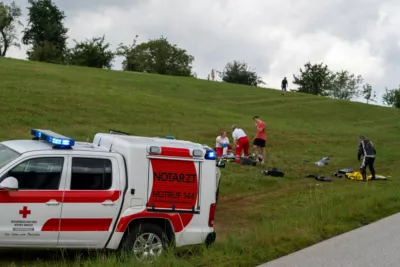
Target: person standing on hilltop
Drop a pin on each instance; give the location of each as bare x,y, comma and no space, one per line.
240,142
367,150
212,74
284,86
260,139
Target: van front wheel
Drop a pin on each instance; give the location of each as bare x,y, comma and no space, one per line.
146,241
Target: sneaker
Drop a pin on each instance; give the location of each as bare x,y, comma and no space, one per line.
262,163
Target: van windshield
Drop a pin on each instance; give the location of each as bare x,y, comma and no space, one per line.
7,155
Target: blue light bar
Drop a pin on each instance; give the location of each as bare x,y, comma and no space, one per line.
53,138
169,137
210,154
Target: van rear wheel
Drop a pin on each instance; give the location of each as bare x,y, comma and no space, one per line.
146,241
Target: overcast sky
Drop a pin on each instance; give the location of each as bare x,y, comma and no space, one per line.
276,37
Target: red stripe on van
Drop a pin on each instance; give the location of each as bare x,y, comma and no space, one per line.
43,196
91,196
178,221
77,225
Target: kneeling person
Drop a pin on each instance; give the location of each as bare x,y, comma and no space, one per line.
240,142
222,144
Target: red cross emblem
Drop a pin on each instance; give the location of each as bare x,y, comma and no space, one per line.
24,212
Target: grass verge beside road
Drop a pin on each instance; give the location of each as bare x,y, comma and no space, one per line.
258,218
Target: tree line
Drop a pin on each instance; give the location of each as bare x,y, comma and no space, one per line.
46,36
318,79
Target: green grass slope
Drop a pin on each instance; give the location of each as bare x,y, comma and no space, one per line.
258,218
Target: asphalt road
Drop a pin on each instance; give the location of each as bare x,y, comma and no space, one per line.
374,245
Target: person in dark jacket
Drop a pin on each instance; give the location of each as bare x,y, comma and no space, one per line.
284,85
367,150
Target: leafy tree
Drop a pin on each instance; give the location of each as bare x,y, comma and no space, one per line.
45,32
9,19
240,73
156,56
392,97
368,93
47,52
93,53
345,85
314,79
128,51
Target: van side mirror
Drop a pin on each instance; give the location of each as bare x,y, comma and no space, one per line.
9,184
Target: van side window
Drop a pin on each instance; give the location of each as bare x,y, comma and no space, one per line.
91,174
38,173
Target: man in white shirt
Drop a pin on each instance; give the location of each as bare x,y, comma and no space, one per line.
240,142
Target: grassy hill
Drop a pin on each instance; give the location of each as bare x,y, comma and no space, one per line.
258,218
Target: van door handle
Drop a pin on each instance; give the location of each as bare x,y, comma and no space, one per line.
108,203
52,202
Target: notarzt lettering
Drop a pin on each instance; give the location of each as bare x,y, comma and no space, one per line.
175,177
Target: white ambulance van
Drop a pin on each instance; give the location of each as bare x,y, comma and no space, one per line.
119,192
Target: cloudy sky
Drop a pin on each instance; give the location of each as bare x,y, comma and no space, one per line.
276,37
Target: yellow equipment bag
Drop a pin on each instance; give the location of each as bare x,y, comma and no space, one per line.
357,176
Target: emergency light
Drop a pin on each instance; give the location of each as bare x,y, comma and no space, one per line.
170,137
53,138
210,154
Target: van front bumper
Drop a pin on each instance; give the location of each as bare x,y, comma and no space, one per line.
210,239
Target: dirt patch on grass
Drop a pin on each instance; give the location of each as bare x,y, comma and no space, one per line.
233,211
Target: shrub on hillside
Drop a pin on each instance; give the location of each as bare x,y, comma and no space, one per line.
392,97
240,73
157,56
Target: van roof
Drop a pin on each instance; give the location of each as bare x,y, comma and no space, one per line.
144,141
23,146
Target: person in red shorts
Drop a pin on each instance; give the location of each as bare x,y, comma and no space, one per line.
260,138
222,144
240,142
